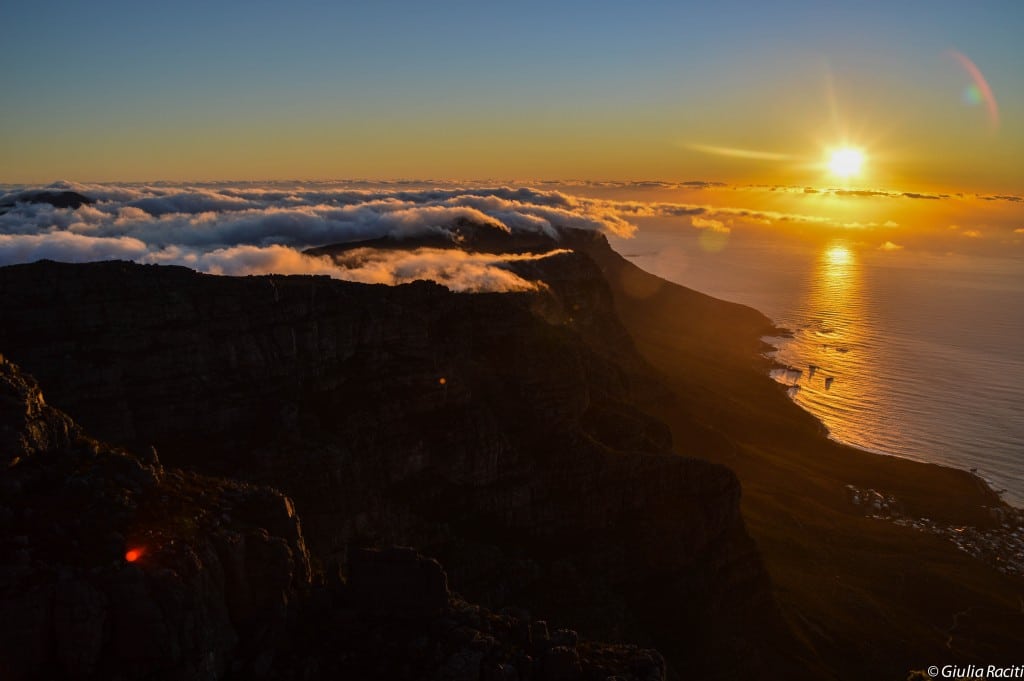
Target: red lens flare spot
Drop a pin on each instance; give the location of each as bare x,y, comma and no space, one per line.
133,555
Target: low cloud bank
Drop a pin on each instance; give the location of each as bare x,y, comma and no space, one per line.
246,228
67,247
250,229
457,270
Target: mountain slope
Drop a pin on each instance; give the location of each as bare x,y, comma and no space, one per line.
114,566
501,433
873,599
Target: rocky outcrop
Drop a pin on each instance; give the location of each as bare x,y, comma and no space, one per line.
54,197
497,432
27,426
467,643
113,566
397,581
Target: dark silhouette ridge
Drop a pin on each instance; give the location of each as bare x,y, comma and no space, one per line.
530,472
463,234
115,566
56,198
541,470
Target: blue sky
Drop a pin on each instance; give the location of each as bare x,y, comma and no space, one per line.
570,88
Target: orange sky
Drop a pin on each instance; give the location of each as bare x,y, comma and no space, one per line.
580,90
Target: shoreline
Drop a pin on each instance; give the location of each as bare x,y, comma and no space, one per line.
866,596
782,333
775,334
733,336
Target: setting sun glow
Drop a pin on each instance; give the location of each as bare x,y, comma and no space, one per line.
838,256
846,162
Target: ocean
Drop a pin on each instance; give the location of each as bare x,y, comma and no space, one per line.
908,354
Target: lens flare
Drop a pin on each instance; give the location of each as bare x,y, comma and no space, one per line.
972,95
132,555
978,91
734,152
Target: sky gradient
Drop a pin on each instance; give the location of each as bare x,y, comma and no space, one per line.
117,91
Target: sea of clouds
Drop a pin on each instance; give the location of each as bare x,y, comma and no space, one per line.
251,229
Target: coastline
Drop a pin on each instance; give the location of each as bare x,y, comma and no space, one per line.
750,349
1001,547
951,453
824,553
772,349
930,371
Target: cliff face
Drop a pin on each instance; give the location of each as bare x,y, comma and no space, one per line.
113,566
27,425
498,432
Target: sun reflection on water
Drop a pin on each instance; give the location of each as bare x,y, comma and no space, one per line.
831,355
834,302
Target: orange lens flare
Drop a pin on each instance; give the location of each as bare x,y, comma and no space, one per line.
133,555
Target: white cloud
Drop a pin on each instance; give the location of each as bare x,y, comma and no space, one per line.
710,224
456,269
244,228
67,247
248,229
453,268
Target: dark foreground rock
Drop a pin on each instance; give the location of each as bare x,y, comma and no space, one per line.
115,567
500,433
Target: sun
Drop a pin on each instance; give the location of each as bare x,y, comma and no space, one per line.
846,162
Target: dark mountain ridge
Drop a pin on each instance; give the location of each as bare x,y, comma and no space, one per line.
114,566
500,433
531,442
55,197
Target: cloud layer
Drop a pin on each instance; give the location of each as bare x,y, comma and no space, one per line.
253,228
248,229
243,228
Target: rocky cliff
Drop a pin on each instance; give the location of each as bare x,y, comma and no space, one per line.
113,566
498,432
